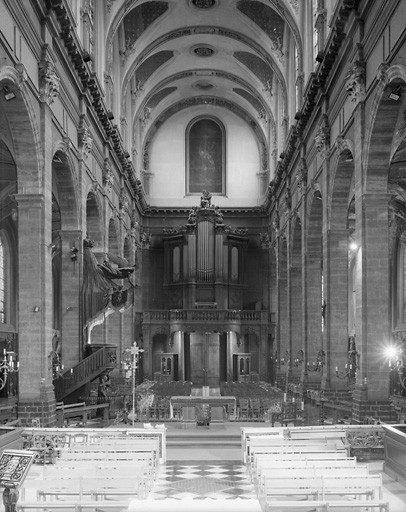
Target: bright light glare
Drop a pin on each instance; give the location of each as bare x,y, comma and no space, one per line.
353,246
391,352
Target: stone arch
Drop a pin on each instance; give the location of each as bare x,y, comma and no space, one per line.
378,148
65,186
94,229
342,182
23,126
113,243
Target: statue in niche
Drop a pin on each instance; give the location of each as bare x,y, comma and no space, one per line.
205,200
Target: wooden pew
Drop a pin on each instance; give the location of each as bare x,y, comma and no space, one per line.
79,410
248,432
334,491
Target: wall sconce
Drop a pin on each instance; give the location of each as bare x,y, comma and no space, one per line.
8,94
36,309
317,366
352,364
396,93
299,358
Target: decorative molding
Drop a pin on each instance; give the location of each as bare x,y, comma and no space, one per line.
145,115
322,139
145,240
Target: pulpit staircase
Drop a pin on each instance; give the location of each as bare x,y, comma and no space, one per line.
102,360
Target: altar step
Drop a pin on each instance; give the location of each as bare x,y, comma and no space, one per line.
198,444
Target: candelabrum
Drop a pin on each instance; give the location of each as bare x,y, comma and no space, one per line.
317,365
130,365
9,364
352,364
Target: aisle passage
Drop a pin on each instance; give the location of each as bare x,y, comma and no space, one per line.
203,480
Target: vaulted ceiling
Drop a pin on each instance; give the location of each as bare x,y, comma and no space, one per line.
171,54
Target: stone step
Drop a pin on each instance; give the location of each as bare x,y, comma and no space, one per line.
196,444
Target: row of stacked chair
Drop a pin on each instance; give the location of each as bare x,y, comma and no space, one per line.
104,471
308,468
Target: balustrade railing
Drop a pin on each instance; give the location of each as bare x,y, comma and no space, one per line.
203,315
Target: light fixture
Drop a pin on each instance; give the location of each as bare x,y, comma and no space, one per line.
353,246
9,364
36,309
9,95
396,93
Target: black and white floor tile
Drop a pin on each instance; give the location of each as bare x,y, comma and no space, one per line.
203,480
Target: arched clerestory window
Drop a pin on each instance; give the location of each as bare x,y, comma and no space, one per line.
205,156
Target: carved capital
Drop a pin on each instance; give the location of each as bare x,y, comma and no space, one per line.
65,145
123,200
295,5
382,74
265,240
322,139
276,222
108,177
301,176
85,141
146,115
355,81
48,82
21,74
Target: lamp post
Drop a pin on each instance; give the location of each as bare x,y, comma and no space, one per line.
130,364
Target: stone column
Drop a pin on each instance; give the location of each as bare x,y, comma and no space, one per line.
36,392
336,290
71,298
372,305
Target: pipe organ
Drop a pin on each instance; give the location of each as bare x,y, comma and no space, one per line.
204,261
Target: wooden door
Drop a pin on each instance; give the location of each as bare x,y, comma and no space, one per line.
205,359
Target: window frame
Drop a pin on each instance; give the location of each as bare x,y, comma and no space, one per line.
189,127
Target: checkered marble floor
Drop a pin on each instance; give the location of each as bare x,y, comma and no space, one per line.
203,480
